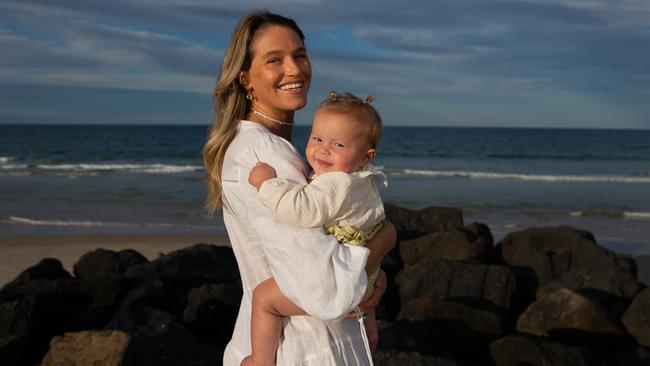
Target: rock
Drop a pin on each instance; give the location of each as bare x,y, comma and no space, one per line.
456,305
46,269
447,244
411,224
633,355
411,359
194,266
637,318
95,293
440,280
604,281
521,349
27,325
541,255
396,336
212,310
570,317
603,274
105,348
643,262
159,339
102,263
481,231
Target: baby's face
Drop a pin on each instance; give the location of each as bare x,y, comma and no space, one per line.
337,143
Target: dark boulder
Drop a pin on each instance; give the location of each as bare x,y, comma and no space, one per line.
454,244
541,255
105,348
102,263
46,269
572,318
441,279
522,349
27,325
455,305
212,310
604,281
604,274
411,224
637,318
632,355
195,265
412,359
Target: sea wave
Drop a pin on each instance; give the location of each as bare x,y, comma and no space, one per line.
6,159
636,215
521,176
13,166
630,215
16,220
578,157
130,168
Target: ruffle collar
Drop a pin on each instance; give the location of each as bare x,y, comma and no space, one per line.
371,170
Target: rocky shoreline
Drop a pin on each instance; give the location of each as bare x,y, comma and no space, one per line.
541,296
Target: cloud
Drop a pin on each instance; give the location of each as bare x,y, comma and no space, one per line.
491,59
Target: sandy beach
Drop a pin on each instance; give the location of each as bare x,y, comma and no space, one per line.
21,252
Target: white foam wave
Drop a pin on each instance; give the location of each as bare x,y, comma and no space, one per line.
6,159
523,177
132,168
636,215
34,222
13,166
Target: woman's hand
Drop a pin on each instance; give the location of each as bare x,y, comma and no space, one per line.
377,293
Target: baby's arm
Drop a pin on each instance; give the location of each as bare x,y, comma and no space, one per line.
305,206
260,173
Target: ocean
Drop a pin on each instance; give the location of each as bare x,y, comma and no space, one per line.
86,179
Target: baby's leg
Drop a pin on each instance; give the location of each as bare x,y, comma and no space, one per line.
370,323
269,305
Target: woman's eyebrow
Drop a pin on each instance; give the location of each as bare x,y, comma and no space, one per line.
280,52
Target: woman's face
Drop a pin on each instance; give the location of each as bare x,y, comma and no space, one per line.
280,72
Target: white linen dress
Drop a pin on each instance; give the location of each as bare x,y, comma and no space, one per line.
325,279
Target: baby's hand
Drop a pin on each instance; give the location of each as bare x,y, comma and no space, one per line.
260,173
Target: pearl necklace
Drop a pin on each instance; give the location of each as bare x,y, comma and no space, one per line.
255,111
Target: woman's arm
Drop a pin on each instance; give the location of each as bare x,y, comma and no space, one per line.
380,245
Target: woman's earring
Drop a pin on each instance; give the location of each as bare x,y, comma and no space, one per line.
249,96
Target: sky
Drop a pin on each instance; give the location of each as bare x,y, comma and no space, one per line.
481,63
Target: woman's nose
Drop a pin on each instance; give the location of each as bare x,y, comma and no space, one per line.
291,67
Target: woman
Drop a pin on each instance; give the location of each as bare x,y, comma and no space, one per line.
264,79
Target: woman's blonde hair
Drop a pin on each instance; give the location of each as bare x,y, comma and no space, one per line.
229,99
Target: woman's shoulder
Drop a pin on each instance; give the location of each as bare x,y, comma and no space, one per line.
254,138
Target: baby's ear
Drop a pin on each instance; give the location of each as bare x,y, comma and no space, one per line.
370,154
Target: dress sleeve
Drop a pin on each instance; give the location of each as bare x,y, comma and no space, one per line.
311,205
324,278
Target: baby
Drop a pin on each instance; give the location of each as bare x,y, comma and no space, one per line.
343,197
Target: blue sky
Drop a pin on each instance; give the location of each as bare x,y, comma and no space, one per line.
530,63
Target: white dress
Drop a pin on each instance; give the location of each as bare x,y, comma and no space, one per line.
325,279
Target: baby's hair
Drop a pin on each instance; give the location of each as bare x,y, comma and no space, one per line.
366,114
